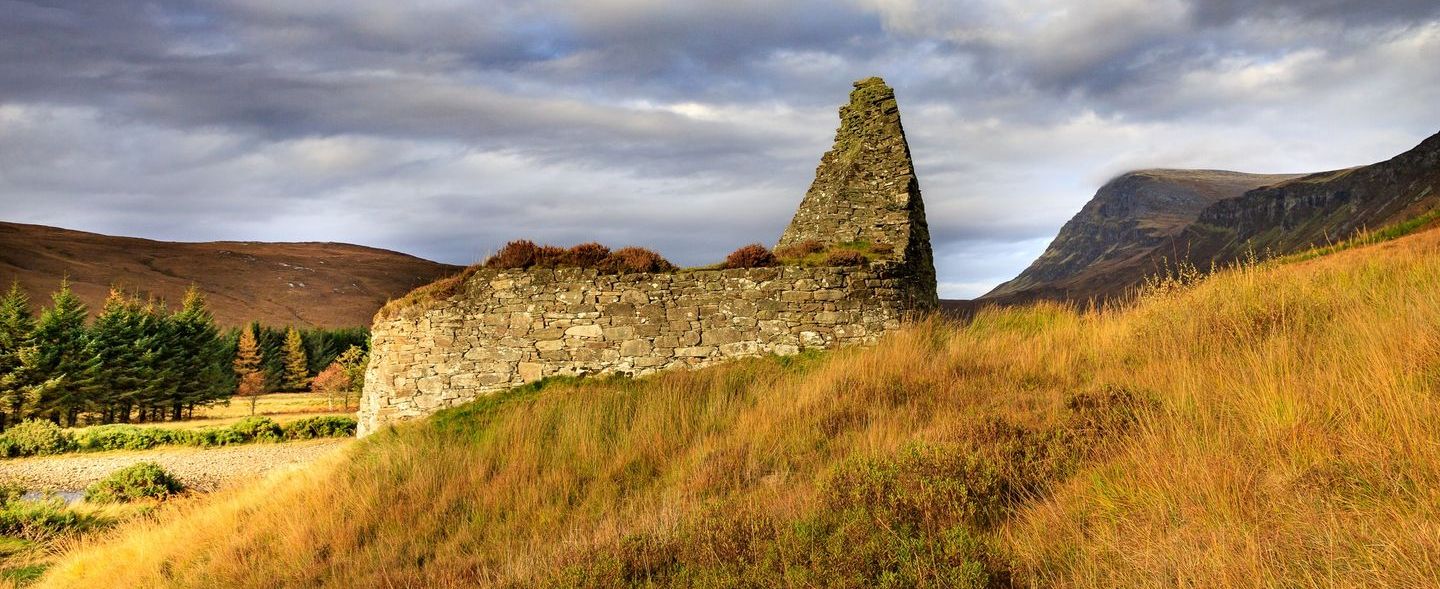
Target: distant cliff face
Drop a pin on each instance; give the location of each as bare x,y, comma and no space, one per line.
1143,221
1320,208
1122,226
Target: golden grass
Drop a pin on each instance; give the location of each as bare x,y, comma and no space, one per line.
281,407
1288,438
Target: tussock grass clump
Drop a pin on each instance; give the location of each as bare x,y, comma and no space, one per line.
845,258
813,253
800,250
1270,425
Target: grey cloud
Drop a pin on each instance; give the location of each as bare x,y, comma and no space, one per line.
1214,12
444,129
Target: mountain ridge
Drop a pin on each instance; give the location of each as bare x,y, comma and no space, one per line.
1143,222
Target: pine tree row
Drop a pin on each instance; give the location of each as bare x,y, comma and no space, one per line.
138,361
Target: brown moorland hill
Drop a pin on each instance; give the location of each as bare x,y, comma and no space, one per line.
303,284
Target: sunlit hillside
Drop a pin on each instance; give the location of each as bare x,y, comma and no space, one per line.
1274,425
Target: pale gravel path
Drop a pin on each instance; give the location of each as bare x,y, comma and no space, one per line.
200,469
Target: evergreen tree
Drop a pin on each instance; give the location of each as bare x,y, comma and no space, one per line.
201,365
297,369
17,327
59,362
159,361
248,376
115,355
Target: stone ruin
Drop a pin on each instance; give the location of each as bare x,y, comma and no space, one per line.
504,328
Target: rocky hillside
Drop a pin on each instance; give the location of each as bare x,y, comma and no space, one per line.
1144,221
303,284
1125,222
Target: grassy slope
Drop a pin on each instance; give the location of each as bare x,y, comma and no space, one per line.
1273,425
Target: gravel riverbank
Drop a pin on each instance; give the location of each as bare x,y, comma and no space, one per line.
199,469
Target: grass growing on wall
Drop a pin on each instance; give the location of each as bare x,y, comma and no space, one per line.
1272,425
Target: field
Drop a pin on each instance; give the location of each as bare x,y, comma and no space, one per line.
282,407
1270,426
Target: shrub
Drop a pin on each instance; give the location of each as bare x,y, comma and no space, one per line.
549,256
750,256
320,427
845,258
119,437
10,492
258,429
144,480
586,255
796,251
220,436
37,437
632,260
521,253
44,519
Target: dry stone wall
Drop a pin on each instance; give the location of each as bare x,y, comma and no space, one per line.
512,327
504,328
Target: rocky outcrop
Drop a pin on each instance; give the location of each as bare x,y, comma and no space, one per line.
1110,240
1320,208
502,328
1144,222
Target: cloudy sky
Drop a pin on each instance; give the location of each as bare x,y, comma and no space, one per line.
444,128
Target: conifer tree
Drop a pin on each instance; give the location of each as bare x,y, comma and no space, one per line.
59,362
297,369
201,365
161,361
115,356
247,367
17,327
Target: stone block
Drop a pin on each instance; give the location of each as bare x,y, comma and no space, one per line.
619,333
586,331
635,347
719,336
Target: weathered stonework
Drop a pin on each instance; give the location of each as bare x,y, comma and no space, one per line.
509,327
865,188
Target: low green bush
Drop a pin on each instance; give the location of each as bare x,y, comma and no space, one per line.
37,437
328,426
216,436
37,520
121,437
144,480
258,429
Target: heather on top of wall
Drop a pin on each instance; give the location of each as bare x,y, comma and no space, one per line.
523,253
